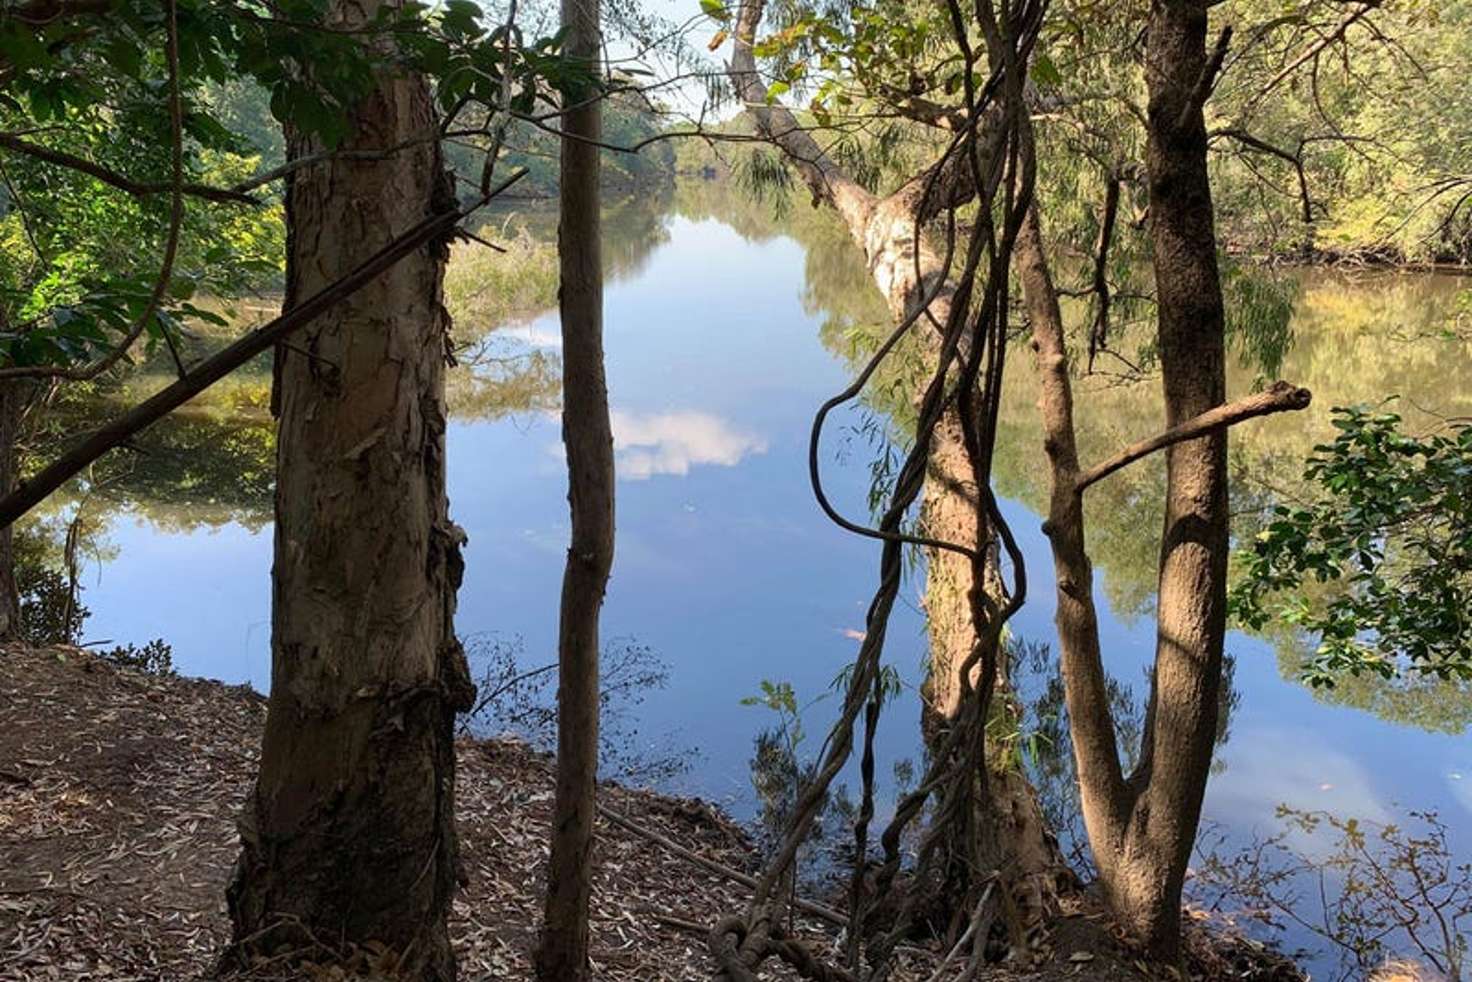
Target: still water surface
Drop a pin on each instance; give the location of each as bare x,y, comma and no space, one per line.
725,329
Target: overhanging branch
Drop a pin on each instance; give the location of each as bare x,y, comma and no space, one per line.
1296,160
120,181
1277,398
211,370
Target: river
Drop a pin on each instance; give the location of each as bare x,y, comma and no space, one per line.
726,327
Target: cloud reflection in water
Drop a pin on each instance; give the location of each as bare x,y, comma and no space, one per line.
650,444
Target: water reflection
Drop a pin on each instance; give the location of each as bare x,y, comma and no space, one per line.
727,325
1316,776
649,444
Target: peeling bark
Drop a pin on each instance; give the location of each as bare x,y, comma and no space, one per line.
912,276
349,834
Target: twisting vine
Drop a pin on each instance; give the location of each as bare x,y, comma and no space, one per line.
966,380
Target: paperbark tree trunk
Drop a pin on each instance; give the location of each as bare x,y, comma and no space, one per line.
909,270
349,834
562,955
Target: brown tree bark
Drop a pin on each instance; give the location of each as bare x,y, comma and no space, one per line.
13,398
562,955
1112,803
1142,826
912,276
349,834
1175,761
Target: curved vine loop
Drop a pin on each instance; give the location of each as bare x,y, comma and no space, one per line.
968,362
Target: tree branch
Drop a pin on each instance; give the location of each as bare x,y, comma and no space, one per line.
827,181
1313,51
1277,398
211,370
1099,335
42,12
1262,146
120,181
1204,84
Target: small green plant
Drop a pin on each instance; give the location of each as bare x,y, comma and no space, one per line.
890,683
154,658
780,698
778,770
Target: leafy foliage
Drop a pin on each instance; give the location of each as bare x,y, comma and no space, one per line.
87,172
1390,538
154,658
49,610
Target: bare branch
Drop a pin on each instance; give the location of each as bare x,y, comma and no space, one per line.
1204,84
39,13
1099,334
112,178
1277,398
1247,139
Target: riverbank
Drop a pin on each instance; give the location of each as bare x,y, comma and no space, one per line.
119,792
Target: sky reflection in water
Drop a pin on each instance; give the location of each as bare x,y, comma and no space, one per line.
726,568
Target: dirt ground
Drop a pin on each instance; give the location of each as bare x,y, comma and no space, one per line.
118,798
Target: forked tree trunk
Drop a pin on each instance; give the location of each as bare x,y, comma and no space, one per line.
1192,605
562,955
1142,826
349,836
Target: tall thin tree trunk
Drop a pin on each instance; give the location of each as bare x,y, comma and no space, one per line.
349,835
1192,606
12,410
562,955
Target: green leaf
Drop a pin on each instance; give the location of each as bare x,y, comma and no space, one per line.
1044,72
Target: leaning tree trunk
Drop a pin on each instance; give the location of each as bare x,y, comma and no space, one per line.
349,835
909,271
562,955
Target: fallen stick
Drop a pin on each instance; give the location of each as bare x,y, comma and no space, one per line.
806,906
700,930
